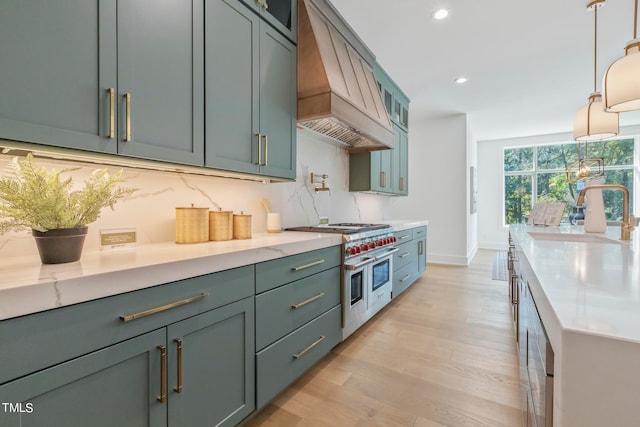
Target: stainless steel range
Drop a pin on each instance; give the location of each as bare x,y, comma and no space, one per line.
367,269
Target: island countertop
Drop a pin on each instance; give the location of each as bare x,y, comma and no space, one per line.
592,288
587,296
27,286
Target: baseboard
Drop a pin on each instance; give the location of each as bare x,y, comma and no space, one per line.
447,259
501,246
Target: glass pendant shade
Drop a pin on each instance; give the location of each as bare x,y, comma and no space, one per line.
621,82
592,123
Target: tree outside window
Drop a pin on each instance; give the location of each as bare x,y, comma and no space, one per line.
540,171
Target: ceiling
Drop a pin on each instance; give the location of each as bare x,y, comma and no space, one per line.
529,64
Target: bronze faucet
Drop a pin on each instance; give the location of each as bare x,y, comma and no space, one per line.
628,221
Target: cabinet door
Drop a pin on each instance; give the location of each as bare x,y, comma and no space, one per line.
232,89
403,154
116,386
58,59
211,370
160,64
278,100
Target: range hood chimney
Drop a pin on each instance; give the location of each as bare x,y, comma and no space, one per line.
337,93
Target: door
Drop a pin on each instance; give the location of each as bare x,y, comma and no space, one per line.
161,80
211,370
232,89
278,104
58,60
117,386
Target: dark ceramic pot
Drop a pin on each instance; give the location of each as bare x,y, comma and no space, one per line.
60,245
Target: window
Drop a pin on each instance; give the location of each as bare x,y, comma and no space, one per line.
537,174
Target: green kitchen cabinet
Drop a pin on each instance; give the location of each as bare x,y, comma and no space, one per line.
106,76
400,162
281,14
116,386
250,96
58,59
159,92
410,262
371,172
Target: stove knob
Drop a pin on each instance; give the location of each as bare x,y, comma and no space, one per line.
358,249
364,247
387,240
379,243
393,239
372,245
352,251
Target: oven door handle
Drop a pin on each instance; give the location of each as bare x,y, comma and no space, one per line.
386,254
352,267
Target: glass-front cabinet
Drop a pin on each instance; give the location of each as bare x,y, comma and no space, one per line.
282,14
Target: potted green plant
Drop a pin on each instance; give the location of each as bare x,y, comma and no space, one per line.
44,201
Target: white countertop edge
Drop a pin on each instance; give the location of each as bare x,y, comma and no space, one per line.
401,225
103,274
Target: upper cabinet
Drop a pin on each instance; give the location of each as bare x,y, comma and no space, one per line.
109,76
250,94
279,13
386,171
57,63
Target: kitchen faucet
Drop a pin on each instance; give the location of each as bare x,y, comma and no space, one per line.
628,221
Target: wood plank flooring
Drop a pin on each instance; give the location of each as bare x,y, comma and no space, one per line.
441,354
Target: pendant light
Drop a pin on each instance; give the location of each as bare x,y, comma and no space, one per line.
591,122
621,83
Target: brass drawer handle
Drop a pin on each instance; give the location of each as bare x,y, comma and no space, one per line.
404,255
259,139
303,352
420,247
266,146
178,388
127,98
404,279
406,236
129,317
112,112
311,264
401,184
163,374
307,301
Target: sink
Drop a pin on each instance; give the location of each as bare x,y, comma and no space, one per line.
573,237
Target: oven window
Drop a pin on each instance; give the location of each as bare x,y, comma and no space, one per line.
380,273
357,282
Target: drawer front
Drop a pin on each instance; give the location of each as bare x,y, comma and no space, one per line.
420,232
404,277
285,360
281,310
405,255
271,274
403,236
34,342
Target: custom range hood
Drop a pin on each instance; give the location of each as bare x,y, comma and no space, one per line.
337,93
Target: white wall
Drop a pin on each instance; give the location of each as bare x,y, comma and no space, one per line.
492,233
151,210
438,186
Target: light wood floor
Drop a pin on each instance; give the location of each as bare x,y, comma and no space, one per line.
441,354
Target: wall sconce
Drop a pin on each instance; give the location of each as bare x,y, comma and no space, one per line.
320,179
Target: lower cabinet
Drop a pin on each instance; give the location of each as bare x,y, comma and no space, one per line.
411,259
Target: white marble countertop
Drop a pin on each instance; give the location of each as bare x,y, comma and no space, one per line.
592,288
27,286
401,225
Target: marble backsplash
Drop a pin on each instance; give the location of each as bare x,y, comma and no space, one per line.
151,210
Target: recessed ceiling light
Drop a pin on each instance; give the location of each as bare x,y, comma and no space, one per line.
460,80
440,14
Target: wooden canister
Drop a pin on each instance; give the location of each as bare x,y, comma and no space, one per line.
241,226
192,225
220,225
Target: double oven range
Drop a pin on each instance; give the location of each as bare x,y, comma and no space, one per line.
367,268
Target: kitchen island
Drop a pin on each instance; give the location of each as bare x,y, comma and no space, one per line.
587,297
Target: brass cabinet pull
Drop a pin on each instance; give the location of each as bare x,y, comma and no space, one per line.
265,5
266,150
129,317
307,301
259,138
311,264
401,184
420,247
313,344
404,279
406,236
163,374
404,255
178,388
127,98
112,112
514,288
